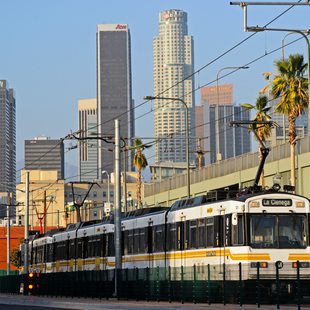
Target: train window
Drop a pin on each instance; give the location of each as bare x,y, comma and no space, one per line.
263,231
192,234
85,247
201,242
130,244
142,241
79,248
278,231
90,247
49,253
136,241
159,238
72,249
54,252
126,242
111,248
237,237
61,250
292,232
210,232
172,237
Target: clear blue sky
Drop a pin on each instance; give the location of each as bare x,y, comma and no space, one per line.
48,53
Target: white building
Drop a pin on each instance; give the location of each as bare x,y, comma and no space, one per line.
88,148
173,63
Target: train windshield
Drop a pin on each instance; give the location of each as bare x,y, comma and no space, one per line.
278,231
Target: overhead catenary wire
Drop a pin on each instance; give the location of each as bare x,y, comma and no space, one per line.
194,73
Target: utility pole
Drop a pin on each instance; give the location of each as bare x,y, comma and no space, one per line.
44,212
8,235
124,150
26,224
117,209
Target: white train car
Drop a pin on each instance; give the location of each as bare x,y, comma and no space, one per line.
259,230
95,247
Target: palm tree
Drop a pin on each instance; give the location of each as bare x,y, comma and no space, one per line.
140,162
262,130
291,86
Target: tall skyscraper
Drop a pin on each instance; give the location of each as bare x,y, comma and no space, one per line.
7,139
43,153
88,149
114,98
173,65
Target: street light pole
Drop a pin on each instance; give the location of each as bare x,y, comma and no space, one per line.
26,223
8,235
217,111
117,209
186,133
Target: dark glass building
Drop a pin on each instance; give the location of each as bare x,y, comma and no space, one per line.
234,141
7,139
114,98
43,153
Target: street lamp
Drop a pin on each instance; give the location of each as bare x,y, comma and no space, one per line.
217,110
106,172
186,133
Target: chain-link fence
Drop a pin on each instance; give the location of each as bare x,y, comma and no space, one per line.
240,284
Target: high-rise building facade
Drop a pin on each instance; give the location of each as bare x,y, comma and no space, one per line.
278,135
234,141
43,153
114,94
173,66
223,94
88,148
7,138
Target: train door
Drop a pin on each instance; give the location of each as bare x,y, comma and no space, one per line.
104,249
182,241
222,237
150,243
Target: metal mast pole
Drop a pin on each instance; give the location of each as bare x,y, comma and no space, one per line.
26,223
117,209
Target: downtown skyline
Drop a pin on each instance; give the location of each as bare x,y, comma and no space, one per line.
72,74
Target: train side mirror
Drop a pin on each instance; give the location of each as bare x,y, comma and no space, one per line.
234,219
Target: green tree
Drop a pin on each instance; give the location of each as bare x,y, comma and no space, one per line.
262,130
290,85
15,258
140,162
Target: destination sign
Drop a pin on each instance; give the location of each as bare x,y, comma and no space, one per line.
277,202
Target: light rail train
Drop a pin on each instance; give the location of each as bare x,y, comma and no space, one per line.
261,227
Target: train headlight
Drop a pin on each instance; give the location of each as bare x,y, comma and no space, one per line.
300,204
254,204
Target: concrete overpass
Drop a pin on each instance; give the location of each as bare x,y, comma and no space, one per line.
238,172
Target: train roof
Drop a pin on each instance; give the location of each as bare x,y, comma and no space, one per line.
144,212
215,196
